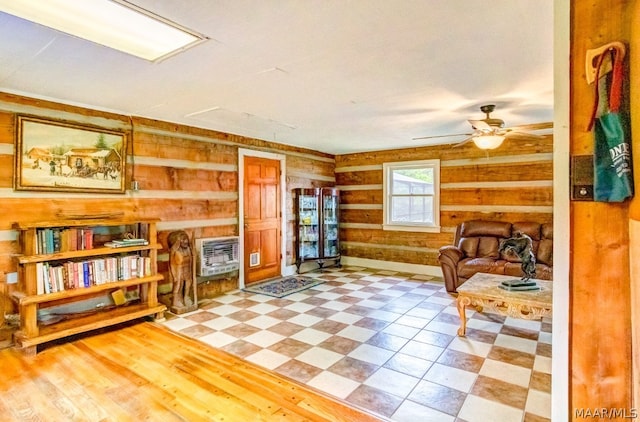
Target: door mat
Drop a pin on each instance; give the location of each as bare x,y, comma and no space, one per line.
283,286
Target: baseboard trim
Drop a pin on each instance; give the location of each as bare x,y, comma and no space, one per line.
379,265
392,266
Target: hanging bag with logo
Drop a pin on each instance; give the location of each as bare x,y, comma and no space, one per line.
613,176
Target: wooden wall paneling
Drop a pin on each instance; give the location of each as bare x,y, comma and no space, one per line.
453,218
502,172
497,196
364,196
512,183
354,215
600,361
189,179
305,165
369,177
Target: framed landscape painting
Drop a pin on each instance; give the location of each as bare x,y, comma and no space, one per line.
53,155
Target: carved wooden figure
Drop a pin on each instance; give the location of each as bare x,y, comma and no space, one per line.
182,272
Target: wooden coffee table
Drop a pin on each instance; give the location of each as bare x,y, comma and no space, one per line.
482,292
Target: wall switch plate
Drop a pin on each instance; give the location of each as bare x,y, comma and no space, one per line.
12,278
582,177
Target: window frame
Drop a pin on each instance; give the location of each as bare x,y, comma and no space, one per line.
388,169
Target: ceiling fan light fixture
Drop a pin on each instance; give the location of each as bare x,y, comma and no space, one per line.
488,141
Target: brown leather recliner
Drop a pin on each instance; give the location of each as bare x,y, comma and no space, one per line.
475,250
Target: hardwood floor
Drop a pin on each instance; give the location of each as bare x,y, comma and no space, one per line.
144,371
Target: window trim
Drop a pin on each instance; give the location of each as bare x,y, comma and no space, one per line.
387,168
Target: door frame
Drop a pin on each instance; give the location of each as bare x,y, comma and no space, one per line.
242,153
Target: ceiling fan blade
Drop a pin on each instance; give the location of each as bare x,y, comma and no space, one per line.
480,125
440,136
459,144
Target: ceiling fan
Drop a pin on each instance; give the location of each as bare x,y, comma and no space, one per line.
489,133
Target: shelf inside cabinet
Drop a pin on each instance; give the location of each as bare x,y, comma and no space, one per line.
85,253
82,324
82,291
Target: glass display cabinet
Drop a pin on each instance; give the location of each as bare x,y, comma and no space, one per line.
317,219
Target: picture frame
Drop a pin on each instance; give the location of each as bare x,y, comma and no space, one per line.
57,155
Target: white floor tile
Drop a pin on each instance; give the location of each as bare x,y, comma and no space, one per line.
328,295
305,320
472,347
336,306
345,317
527,324
542,364
356,333
228,298
506,372
268,358
371,354
178,324
217,339
413,412
401,330
479,324
477,409
451,377
412,321
422,350
334,384
373,304
362,295
384,315
299,307
392,382
263,322
264,338
311,336
443,327
224,310
221,323
262,308
539,403
319,357
516,343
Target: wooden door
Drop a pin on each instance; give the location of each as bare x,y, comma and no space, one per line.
261,219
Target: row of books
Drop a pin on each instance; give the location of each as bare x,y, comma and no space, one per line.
63,239
92,272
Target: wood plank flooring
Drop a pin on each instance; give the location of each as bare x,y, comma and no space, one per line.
144,371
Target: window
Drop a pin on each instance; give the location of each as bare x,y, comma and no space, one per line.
412,196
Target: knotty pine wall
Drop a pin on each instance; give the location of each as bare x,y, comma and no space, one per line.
511,183
188,179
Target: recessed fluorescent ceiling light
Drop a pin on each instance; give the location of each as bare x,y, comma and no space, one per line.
114,23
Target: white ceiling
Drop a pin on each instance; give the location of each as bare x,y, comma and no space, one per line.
336,76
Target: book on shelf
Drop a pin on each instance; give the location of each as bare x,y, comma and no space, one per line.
62,239
51,278
123,243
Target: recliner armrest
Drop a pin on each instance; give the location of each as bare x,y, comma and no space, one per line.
451,254
449,257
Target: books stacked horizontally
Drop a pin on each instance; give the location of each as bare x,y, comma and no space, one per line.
519,285
123,243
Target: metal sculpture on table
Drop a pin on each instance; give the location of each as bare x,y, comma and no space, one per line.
522,246
181,270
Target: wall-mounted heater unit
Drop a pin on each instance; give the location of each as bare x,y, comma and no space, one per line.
217,255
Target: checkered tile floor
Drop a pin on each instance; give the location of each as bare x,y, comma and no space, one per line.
386,341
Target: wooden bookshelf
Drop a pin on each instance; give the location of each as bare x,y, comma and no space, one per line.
45,310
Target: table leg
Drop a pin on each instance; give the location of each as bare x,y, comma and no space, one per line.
461,303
